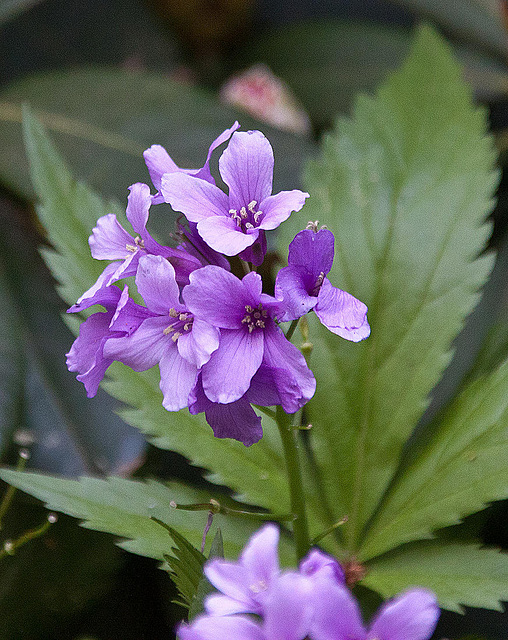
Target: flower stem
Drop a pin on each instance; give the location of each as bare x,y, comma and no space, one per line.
291,330
290,446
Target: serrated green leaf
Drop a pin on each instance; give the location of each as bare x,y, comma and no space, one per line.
405,186
460,470
125,508
204,587
459,574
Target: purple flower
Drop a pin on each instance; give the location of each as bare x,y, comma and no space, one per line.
303,286
235,223
249,338
86,356
238,419
169,336
411,615
110,241
159,162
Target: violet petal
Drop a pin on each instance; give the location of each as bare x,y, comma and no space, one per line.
342,313
276,209
412,615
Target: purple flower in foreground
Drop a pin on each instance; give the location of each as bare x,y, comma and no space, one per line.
235,223
169,336
249,338
412,615
159,162
110,241
245,585
303,286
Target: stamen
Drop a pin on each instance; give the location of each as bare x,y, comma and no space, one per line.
131,247
248,225
139,242
243,213
168,330
183,316
313,225
187,326
173,313
176,336
248,308
233,212
260,324
257,215
251,206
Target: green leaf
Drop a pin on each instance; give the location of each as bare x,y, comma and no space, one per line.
68,211
478,22
125,508
405,185
459,574
102,119
460,470
204,587
337,59
185,566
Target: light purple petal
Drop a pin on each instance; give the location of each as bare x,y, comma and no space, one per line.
204,172
342,313
290,287
195,198
157,285
144,348
231,579
254,284
262,390
129,317
312,250
198,345
412,615
217,604
138,207
294,380
178,377
158,162
288,608
236,420
336,613
221,628
318,563
257,251
246,166
260,556
227,375
98,292
222,235
109,239
217,296
276,209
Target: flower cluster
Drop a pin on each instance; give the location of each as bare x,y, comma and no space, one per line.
215,336
313,602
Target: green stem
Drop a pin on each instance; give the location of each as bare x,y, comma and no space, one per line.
215,507
297,497
291,330
9,494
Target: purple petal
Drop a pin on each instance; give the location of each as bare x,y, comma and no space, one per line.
217,296
158,162
276,209
138,207
128,317
99,293
294,380
222,235
229,578
156,283
316,562
178,377
236,420
246,166
195,198
221,628
260,556
144,348
195,245
198,345
109,240
291,287
262,390
336,613
312,250
217,604
254,284
288,608
412,615
227,375
204,172
342,313
257,251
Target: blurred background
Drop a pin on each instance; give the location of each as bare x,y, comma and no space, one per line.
109,78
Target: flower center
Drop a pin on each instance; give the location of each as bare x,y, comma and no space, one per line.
259,586
138,244
317,286
181,323
255,318
247,218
